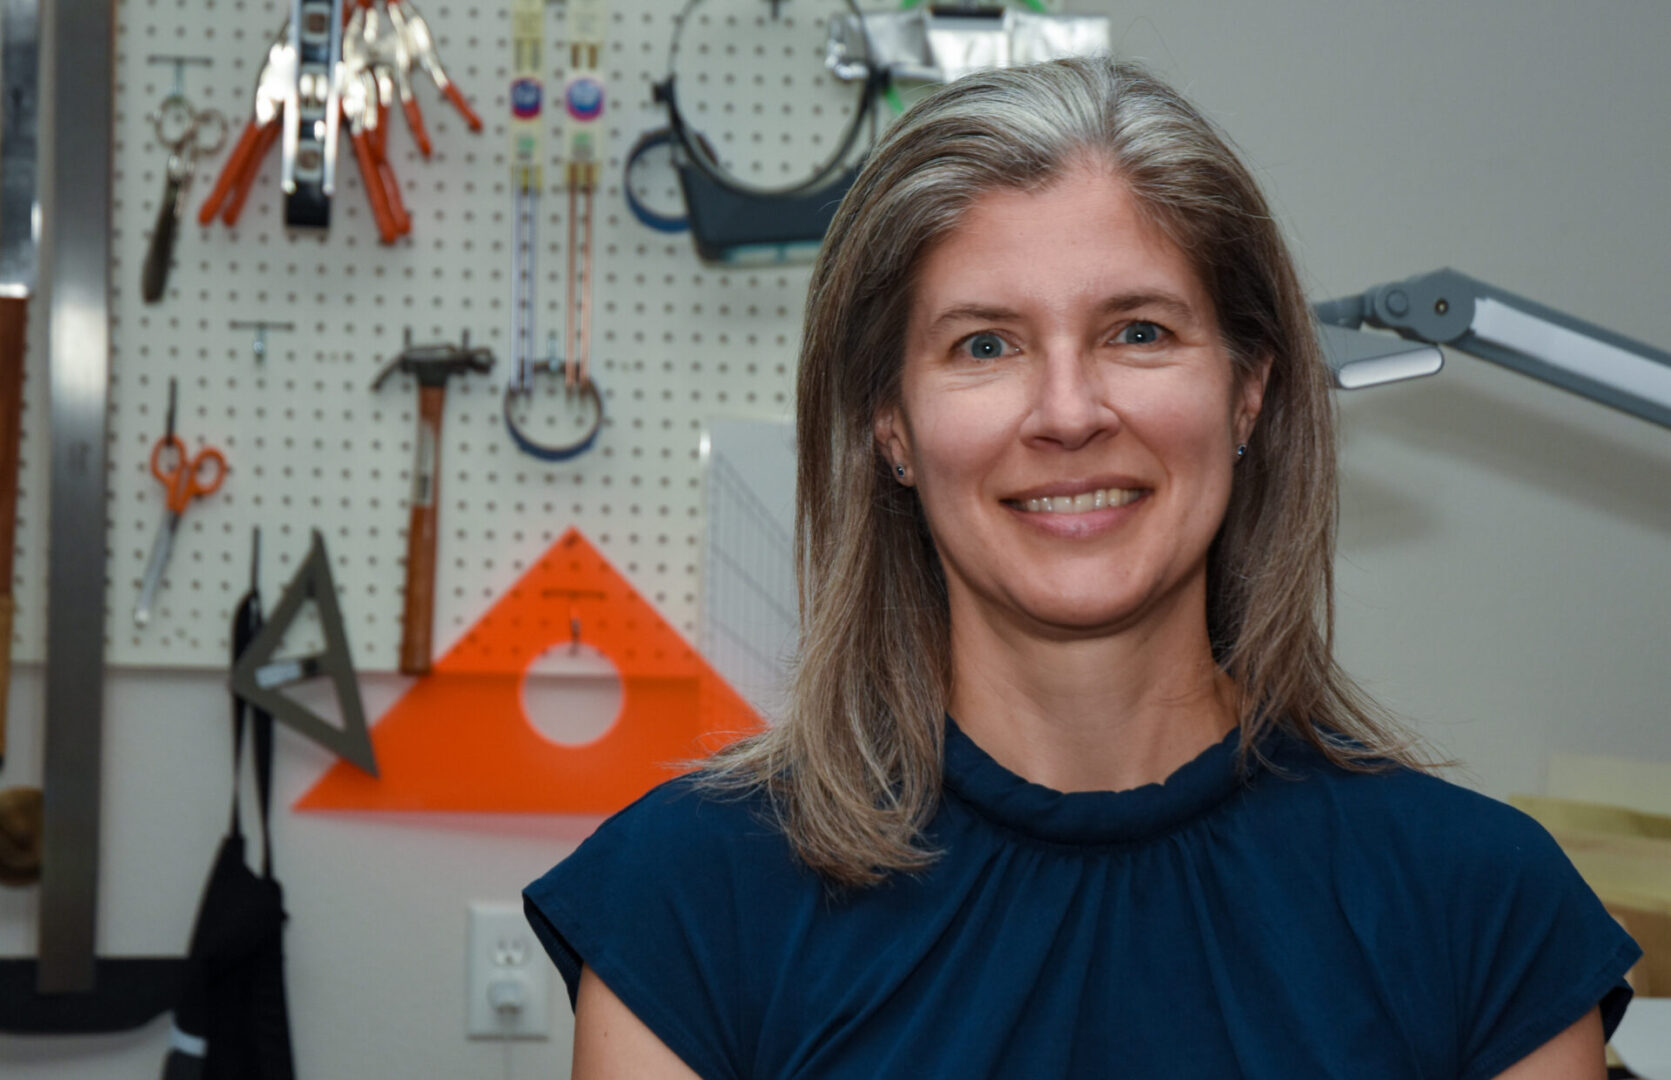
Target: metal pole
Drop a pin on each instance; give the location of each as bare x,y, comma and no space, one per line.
75,195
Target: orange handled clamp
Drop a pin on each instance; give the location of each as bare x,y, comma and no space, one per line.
381,40
420,49
232,187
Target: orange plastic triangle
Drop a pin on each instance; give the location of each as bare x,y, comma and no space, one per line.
459,740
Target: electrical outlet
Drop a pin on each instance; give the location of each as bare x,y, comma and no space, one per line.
508,982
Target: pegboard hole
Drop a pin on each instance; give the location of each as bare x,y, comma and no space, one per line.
572,694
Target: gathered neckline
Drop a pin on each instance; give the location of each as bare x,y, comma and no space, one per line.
1090,817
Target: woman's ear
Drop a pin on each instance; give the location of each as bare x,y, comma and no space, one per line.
892,439
1250,397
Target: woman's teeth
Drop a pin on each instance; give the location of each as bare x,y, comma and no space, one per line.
1079,504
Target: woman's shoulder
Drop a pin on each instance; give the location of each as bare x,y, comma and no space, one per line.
682,831
671,901
1523,947
1445,825
690,817
684,867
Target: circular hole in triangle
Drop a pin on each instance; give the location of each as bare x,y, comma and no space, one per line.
571,694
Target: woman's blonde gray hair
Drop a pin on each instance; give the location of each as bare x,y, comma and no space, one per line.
853,766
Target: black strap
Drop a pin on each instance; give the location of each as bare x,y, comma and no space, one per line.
246,624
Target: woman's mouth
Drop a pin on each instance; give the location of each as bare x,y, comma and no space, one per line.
1083,503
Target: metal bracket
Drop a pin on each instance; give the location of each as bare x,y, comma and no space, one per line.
260,326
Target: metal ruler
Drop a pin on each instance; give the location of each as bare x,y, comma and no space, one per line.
75,208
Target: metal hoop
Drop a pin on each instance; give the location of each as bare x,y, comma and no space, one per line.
588,389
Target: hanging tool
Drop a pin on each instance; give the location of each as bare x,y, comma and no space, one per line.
462,736
527,98
67,986
187,132
583,101
432,366
237,176
583,105
231,1019
308,139
735,223
412,43
367,126
420,50
184,479
75,218
260,674
372,50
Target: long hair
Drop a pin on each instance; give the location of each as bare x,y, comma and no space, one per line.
853,767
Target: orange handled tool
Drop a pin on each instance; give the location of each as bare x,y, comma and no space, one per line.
238,173
388,226
432,365
420,48
246,180
184,478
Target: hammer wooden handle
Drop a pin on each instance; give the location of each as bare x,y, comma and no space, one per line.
418,618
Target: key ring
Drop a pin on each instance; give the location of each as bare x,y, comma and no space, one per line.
175,120
176,123
212,148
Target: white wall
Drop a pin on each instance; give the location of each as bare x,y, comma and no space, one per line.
1505,571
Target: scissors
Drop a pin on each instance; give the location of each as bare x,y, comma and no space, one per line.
185,478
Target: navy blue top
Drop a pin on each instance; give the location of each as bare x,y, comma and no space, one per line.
1320,923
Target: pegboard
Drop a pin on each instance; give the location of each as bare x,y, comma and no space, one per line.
311,446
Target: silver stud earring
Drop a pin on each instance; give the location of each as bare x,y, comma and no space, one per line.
899,470
1241,451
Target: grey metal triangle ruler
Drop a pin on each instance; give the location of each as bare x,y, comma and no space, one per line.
260,676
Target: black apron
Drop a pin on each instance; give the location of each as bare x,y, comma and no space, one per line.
231,1022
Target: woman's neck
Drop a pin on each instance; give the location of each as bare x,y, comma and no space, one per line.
1101,713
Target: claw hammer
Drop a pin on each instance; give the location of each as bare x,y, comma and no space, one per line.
432,366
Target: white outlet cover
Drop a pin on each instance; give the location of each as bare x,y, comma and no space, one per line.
508,979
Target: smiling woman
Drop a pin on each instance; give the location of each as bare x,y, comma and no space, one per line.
1069,783
1069,414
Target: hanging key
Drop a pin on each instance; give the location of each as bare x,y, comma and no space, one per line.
187,133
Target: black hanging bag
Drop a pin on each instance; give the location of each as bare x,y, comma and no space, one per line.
232,1022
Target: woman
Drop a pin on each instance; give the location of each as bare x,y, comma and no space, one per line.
1069,784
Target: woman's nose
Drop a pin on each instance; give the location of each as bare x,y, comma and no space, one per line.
1069,407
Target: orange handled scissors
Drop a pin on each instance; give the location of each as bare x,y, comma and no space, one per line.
185,479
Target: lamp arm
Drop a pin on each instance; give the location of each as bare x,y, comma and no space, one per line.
1446,307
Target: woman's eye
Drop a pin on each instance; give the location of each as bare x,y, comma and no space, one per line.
1140,333
985,346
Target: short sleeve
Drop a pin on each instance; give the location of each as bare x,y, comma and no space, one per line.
1539,949
649,903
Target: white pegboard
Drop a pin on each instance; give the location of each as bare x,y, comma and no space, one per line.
309,444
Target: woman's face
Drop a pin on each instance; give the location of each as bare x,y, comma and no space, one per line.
1067,411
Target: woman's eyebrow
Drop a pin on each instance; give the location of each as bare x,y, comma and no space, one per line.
1170,305
980,313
